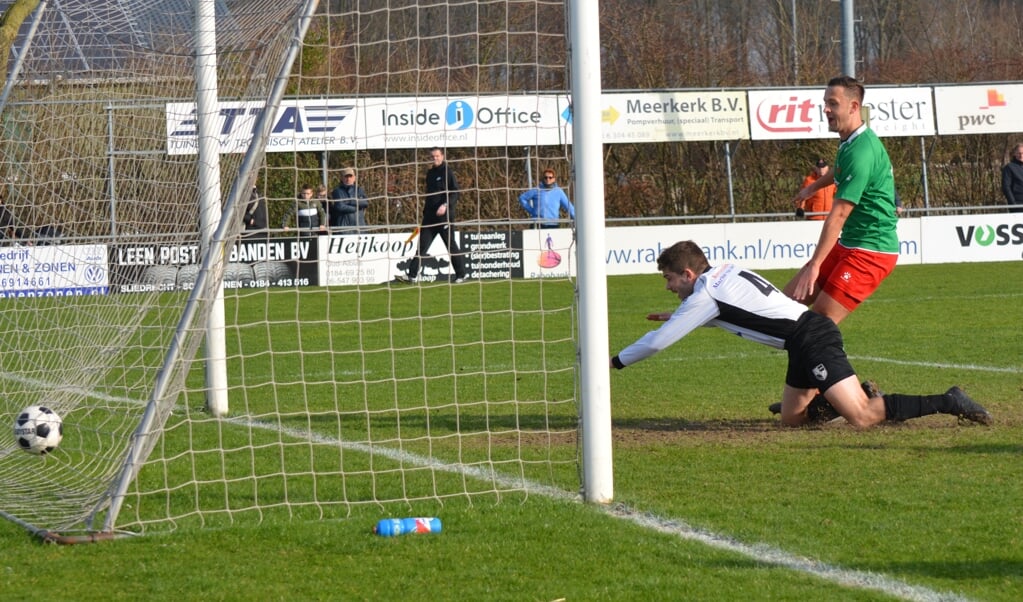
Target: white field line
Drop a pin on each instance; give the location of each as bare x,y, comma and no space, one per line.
759,552
939,365
689,357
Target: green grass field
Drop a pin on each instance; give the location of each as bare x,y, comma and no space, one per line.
714,500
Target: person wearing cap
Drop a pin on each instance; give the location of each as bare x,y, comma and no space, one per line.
817,206
347,207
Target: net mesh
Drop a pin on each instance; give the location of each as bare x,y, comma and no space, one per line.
345,389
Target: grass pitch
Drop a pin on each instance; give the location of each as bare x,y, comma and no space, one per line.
714,501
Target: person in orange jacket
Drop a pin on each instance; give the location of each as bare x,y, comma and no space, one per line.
816,207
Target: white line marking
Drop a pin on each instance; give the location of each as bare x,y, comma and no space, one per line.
770,555
689,357
938,365
759,552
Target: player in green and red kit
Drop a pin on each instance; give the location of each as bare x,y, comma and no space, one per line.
859,244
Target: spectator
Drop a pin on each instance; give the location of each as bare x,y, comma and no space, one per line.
347,207
307,212
7,222
817,205
545,202
1012,179
48,234
254,219
439,216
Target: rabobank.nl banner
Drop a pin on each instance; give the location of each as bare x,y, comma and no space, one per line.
798,113
987,109
377,123
758,246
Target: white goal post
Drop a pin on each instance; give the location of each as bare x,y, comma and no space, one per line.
134,165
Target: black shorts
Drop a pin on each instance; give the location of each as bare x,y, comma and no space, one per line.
817,357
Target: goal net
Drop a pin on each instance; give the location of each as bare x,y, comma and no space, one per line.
239,351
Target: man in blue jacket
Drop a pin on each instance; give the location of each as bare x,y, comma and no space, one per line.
544,204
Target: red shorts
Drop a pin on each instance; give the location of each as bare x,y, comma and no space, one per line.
849,276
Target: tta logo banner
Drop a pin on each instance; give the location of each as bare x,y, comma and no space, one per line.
240,118
459,114
985,236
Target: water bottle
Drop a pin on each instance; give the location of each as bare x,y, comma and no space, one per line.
389,527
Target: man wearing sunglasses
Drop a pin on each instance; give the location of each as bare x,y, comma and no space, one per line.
544,203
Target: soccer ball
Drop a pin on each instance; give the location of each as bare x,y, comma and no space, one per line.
38,430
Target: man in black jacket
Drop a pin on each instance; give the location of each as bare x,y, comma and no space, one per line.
1012,179
255,215
347,208
439,216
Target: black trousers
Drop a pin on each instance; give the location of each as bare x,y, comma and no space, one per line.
426,236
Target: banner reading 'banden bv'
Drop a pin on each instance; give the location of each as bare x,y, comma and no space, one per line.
378,123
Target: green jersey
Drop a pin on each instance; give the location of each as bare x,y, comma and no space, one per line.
863,174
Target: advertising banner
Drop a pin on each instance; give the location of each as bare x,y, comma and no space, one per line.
53,271
290,261
547,253
758,246
987,109
379,258
372,123
674,116
374,258
492,254
970,238
798,113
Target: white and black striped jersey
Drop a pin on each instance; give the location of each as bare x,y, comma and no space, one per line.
729,297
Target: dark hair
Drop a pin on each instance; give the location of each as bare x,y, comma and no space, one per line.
822,163
852,86
682,256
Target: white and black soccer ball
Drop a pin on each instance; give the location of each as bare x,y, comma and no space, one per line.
38,430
